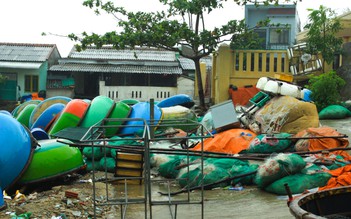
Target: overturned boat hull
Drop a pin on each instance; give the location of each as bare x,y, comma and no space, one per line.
16,150
52,159
70,116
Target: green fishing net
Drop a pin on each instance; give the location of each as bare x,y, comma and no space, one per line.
309,178
98,151
214,170
269,144
107,164
334,112
242,169
90,165
278,167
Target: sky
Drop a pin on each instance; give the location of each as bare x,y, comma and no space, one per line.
24,21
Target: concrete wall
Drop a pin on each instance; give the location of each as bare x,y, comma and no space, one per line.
244,67
141,93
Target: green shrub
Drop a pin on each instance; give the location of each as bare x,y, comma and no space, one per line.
326,89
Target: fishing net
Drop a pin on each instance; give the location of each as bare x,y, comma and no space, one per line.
90,165
157,159
99,152
334,112
309,178
170,165
215,169
286,114
339,161
330,161
118,141
211,174
278,167
322,138
262,144
108,164
242,169
346,104
169,169
226,163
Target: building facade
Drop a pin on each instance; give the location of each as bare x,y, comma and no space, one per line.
284,24
25,68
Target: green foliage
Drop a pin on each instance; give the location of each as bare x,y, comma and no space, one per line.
248,39
181,26
323,25
326,89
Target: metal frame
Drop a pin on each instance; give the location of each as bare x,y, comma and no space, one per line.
94,137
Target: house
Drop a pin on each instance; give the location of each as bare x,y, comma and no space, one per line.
344,34
188,68
242,68
283,26
25,67
141,73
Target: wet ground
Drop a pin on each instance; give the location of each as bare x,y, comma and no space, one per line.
249,203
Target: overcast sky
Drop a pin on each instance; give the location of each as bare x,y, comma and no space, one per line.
23,21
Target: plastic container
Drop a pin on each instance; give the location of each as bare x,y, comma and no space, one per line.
283,88
260,99
261,83
306,95
283,77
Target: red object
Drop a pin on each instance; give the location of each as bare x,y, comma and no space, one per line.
70,194
242,95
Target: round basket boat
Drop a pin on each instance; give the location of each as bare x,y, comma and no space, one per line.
16,150
53,159
332,203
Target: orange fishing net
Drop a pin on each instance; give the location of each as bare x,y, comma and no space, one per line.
330,141
340,177
231,141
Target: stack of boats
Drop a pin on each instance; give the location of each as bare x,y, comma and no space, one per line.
38,146
31,150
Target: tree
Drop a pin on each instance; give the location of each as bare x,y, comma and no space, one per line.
326,89
180,28
323,25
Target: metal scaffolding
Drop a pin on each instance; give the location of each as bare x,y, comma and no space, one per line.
94,137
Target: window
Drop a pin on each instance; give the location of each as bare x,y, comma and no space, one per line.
279,36
31,83
261,35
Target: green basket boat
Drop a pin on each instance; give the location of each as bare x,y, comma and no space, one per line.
54,158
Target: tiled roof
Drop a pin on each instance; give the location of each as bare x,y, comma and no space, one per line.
109,53
134,69
188,64
25,52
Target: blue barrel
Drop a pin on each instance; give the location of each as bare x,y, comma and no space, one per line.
16,150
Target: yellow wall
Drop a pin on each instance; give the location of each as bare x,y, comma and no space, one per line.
244,67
